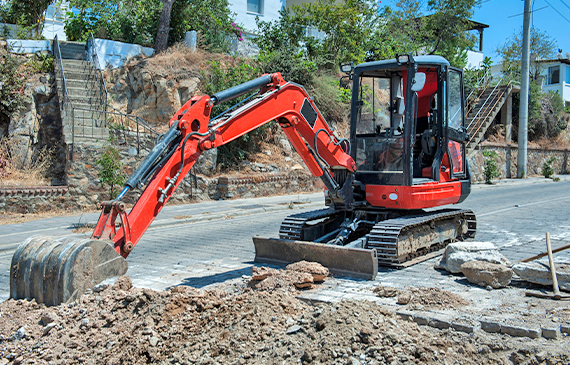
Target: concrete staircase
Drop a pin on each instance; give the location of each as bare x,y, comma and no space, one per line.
86,110
484,111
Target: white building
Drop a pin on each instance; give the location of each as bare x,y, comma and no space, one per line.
247,10
54,18
555,75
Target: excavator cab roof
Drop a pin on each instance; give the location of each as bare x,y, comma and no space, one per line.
395,64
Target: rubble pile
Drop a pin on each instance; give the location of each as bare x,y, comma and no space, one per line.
120,324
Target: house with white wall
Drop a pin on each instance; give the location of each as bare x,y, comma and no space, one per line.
555,75
247,10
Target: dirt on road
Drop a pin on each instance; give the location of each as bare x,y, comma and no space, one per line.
238,324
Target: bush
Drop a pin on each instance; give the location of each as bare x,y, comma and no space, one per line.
331,100
547,169
293,67
223,75
491,171
111,172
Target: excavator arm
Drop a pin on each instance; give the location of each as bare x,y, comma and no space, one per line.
192,132
56,270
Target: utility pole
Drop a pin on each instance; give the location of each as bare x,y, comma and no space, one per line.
523,109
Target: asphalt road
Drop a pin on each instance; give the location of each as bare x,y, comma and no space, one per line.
208,243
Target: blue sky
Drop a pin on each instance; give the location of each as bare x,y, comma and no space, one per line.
499,15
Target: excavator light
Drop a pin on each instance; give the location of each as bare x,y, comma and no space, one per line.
403,58
347,67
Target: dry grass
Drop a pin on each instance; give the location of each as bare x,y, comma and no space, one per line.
14,173
177,61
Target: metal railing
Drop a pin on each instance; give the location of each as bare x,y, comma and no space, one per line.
480,86
93,57
95,123
65,105
487,108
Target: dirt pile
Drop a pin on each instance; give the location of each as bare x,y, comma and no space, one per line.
300,275
183,325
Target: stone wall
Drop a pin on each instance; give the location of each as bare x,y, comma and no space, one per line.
37,129
507,160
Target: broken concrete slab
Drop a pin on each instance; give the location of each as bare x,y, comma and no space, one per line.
539,273
485,274
458,253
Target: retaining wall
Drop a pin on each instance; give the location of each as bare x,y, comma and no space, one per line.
85,192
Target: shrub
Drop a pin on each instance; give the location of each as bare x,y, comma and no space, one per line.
490,171
223,75
547,169
111,172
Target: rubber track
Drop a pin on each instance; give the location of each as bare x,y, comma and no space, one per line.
384,235
293,225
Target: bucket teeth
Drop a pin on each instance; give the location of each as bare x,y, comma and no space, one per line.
58,270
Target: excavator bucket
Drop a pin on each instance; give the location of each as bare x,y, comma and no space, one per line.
341,261
58,270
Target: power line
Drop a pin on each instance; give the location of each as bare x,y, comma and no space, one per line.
565,4
556,10
544,7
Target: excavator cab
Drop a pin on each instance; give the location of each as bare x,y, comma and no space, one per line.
407,132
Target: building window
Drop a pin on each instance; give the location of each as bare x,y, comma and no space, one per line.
255,6
568,74
553,75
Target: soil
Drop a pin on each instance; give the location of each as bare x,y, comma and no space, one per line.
237,324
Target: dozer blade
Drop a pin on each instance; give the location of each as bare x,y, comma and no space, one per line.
341,261
58,270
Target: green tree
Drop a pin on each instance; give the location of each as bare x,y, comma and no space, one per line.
542,46
137,21
440,29
346,25
111,172
28,14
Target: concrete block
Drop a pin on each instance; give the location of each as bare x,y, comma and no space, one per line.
489,326
565,328
487,274
439,323
405,315
518,331
551,333
537,273
459,253
421,320
465,327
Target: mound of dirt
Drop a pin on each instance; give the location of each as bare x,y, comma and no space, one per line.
300,275
124,325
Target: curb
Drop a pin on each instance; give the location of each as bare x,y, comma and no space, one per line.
550,333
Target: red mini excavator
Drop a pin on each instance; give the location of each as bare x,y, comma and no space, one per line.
406,153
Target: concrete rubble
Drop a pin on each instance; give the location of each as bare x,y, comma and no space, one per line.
458,253
487,274
539,273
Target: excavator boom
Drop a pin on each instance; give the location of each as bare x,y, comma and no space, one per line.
191,132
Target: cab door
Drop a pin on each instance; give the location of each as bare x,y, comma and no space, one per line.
455,131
